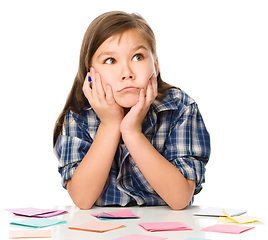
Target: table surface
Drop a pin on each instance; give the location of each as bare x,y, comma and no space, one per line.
76,216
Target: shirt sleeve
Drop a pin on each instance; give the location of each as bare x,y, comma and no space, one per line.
71,147
188,146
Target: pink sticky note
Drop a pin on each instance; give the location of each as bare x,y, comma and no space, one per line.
97,226
165,226
139,237
30,234
36,212
226,229
122,213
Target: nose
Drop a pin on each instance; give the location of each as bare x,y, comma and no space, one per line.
127,73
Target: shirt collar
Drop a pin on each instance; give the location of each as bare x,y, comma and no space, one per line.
166,104
156,107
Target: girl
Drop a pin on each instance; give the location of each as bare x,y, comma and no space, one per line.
127,137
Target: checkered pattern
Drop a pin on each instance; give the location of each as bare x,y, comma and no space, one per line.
174,127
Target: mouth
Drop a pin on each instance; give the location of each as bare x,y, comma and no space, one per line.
128,89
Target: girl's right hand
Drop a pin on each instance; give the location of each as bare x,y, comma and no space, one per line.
103,102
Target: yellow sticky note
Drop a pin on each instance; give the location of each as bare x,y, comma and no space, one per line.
225,220
241,219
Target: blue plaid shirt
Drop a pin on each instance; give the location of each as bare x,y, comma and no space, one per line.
174,126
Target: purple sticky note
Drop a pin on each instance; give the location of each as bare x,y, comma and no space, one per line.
36,212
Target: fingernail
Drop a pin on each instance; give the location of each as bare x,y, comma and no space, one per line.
89,78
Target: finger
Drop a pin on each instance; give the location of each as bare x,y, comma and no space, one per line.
153,80
89,80
152,89
99,88
86,88
94,84
154,84
149,93
142,99
109,95
93,77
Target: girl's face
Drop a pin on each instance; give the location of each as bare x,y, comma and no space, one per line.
126,63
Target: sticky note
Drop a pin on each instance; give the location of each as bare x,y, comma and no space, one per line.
16,234
51,214
139,237
225,220
216,212
36,212
38,222
97,226
222,228
165,226
194,238
240,219
28,212
122,213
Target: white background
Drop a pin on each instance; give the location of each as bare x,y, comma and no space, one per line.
216,51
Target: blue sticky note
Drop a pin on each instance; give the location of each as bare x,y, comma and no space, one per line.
38,222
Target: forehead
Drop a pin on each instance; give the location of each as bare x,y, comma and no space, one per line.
126,40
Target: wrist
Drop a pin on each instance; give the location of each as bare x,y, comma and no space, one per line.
110,128
132,136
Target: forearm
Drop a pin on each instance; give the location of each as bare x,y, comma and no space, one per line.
90,177
163,176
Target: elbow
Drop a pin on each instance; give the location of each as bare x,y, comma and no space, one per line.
83,205
184,197
178,206
82,201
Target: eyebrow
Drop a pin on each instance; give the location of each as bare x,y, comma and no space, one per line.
139,47
134,49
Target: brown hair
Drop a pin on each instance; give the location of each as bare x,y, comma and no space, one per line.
100,29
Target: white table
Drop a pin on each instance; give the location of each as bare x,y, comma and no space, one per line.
146,214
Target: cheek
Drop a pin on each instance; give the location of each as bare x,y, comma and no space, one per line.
106,80
146,75
104,75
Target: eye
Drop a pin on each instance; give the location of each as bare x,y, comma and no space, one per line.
110,61
137,57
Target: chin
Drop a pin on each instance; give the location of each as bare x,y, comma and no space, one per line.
128,103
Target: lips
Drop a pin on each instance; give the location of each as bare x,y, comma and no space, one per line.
128,89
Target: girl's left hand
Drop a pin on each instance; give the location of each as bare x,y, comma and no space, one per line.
132,122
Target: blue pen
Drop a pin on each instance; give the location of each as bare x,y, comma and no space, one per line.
89,79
